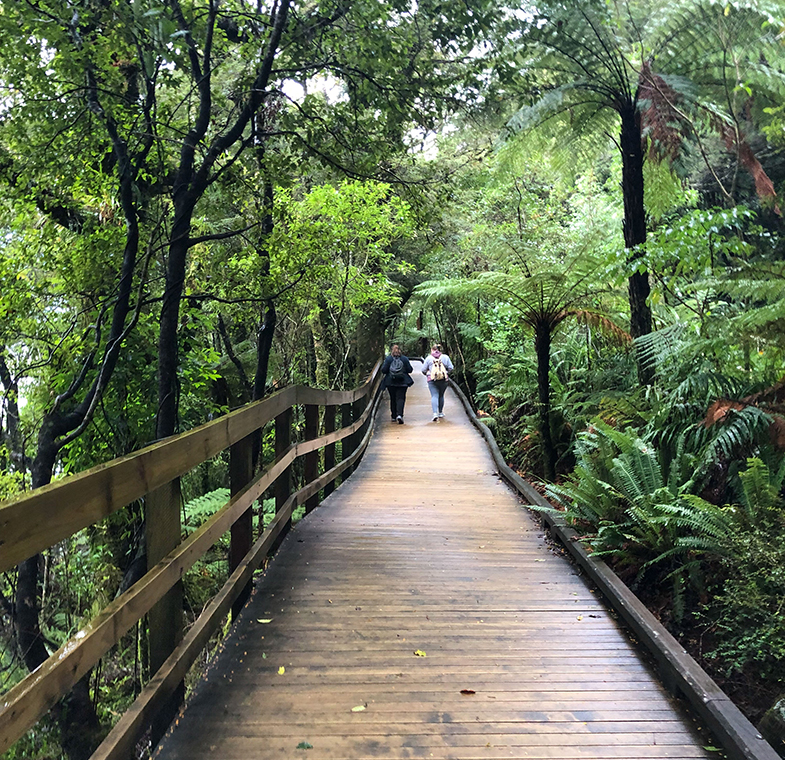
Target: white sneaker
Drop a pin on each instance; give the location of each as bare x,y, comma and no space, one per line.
435,418
441,414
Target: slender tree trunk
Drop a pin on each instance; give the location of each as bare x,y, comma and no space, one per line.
635,230
168,348
12,436
269,317
321,350
264,347
76,713
542,348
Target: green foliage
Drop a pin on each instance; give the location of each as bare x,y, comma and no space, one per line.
746,614
633,509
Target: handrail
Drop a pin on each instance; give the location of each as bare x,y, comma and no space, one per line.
38,520
120,741
107,488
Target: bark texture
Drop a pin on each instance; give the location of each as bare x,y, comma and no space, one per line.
635,230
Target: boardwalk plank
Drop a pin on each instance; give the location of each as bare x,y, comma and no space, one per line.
424,548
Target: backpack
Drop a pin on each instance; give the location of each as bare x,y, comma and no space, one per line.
396,369
438,372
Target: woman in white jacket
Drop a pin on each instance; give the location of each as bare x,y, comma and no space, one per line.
435,368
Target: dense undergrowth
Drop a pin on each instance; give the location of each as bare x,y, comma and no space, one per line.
683,497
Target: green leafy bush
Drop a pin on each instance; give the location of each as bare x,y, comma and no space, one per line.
748,613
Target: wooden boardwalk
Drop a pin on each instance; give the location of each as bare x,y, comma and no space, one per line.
419,613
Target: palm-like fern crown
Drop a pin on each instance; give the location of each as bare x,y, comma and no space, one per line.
681,66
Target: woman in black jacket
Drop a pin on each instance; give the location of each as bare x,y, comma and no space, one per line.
397,370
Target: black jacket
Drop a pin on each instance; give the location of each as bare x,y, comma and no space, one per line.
407,368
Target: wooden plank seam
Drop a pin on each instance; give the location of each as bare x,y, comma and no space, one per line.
23,705
120,742
739,738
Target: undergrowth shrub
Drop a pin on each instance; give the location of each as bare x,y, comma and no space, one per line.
747,615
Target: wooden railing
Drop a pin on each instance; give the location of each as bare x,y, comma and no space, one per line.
53,513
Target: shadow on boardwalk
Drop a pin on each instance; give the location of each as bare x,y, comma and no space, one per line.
418,612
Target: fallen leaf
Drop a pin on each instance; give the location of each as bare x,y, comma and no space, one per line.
264,620
305,745
264,655
281,670
359,708
539,560
468,691
580,617
420,653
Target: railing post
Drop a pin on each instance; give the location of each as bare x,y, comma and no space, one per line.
346,443
283,485
358,407
240,474
329,449
311,463
165,619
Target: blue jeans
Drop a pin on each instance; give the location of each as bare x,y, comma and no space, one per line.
437,389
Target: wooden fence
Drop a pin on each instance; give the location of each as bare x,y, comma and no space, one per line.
53,513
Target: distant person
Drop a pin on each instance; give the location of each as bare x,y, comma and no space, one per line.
435,368
398,370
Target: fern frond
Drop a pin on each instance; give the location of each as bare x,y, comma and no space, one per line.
658,347
604,324
637,473
736,432
759,493
197,510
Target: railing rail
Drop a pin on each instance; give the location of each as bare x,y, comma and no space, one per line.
55,512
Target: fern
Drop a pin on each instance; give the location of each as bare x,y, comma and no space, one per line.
637,472
197,510
738,432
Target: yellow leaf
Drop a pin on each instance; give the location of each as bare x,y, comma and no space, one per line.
264,620
281,670
359,708
420,653
580,617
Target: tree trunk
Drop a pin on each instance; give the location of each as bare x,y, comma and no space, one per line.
635,230
369,341
12,436
542,347
78,736
321,350
264,347
168,347
269,317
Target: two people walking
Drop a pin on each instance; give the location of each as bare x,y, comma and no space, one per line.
398,369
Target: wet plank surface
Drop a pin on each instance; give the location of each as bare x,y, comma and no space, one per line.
418,612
